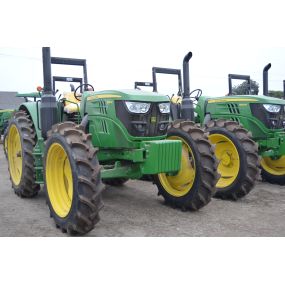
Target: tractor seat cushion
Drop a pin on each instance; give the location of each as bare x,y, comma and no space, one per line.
72,105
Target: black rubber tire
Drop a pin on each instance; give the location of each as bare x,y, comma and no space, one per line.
248,155
270,178
115,181
87,184
27,187
206,165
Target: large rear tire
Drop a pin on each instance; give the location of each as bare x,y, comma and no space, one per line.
19,141
238,155
273,170
72,179
194,185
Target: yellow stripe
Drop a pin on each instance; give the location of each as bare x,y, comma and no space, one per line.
103,97
6,110
231,100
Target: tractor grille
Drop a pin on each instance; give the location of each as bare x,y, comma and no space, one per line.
151,124
233,108
102,107
270,120
102,126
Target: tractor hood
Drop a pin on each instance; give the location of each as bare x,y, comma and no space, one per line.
247,99
127,95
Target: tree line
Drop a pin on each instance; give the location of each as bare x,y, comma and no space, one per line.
243,88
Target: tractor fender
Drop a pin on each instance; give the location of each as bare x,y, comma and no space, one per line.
33,110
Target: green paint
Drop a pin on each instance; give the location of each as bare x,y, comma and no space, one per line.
120,154
237,108
5,116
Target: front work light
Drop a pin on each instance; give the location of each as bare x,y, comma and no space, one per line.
138,107
164,108
272,108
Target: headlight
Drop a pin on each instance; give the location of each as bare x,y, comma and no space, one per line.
138,107
164,108
272,108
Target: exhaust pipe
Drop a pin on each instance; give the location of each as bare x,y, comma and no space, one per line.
265,79
47,71
186,75
48,104
187,107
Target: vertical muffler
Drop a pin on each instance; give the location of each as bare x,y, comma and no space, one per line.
265,79
187,107
48,109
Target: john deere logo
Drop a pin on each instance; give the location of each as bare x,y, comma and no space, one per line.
153,120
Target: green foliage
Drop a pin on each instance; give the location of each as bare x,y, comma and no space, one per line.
243,88
277,94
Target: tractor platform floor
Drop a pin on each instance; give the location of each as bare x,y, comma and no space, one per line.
135,210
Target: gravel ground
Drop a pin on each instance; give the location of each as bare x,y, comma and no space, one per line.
136,210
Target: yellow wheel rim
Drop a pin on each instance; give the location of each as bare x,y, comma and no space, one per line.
59,180
180,184
227,154
15,154
274,166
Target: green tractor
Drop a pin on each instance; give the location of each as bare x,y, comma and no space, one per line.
8,104
265,117
228,121
71,143
5,115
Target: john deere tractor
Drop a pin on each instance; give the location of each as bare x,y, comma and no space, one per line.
69,143
8,103
5,115
264,117
228,120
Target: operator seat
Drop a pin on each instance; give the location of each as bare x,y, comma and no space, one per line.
72,105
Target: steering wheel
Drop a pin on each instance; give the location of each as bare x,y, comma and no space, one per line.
197,96
78,97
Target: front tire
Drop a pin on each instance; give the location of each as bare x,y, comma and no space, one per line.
194,185
238,155
273,170
72,179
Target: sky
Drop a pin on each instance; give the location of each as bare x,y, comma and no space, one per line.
123,40
21,68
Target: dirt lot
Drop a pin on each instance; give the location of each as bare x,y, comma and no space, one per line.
136,210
